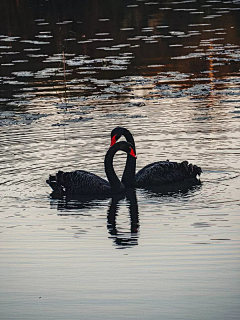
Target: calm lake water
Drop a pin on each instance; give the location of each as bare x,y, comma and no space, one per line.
71,71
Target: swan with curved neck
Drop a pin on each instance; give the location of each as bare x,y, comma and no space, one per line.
156,173
83,183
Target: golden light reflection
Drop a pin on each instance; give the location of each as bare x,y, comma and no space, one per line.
211,73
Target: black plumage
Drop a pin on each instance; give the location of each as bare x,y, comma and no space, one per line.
78,182
163,172
83,183
154,174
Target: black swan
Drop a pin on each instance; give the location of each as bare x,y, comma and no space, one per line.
83,183
156,173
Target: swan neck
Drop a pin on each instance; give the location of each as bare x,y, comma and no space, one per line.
130,167
129,138
114,181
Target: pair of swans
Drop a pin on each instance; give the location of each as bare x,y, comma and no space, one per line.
83,183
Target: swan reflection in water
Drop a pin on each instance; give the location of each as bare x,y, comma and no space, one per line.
77,206
122,238
181,188
67,206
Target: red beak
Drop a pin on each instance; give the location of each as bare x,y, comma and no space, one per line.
133,154
113,141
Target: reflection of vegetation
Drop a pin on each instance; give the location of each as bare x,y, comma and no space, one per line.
18,16
105,39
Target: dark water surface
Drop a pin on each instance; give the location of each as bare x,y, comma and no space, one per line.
70,71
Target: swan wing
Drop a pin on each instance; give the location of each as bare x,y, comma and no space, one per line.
163,172
81,182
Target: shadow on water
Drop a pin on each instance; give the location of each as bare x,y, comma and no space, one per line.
79,199
68,205
179,188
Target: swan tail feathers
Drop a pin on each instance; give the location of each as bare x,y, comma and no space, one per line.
192,170
52,182
197,171
55,184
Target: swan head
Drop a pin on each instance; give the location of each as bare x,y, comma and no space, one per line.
124,146
128,147
113,140
117,133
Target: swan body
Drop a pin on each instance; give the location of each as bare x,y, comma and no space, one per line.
78,182
163,172
156,173
83,183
